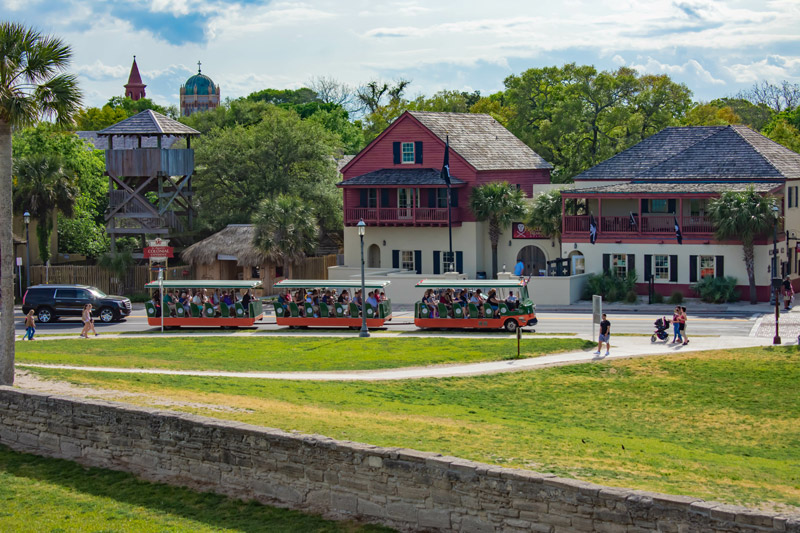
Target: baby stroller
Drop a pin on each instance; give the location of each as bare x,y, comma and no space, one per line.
662,325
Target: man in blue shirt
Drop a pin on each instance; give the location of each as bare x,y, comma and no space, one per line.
519,268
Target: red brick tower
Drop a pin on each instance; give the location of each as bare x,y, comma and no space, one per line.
134,89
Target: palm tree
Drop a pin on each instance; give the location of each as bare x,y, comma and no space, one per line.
500,204
31,86
44,187
544,214
743,216
118,264
286,229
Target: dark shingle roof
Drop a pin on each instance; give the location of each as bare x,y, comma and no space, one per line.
125,143
400,176
671,187
700,153
148,122
482,141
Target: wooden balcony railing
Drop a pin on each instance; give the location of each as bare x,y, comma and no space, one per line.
400,216
645,225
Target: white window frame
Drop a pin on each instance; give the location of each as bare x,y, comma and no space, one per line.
619,265
661,273
444,254
407,155
407,260
707,258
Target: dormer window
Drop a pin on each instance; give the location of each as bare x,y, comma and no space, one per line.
408,153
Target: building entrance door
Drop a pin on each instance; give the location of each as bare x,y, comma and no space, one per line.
534,260
374,256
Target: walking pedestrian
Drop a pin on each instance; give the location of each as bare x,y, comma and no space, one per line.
677,320
30,326
788,294
683,326
88,321
605,335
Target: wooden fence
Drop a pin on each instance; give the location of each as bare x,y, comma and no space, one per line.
95,276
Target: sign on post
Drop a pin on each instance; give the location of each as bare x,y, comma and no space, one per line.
597,311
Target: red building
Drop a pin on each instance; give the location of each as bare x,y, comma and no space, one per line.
134,89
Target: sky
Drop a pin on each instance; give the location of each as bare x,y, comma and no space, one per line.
717,48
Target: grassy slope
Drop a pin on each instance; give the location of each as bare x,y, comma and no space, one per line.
723,425
40,494
282,354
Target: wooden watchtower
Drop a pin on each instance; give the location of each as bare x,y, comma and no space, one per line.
141,164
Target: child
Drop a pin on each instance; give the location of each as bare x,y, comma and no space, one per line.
30,326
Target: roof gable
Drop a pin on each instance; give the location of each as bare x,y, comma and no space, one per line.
148,122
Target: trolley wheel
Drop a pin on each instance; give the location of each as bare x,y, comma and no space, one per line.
510,325
653,338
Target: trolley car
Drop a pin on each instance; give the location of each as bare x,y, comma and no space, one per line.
225,316
292,313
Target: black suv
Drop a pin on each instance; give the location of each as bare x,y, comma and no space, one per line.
53,301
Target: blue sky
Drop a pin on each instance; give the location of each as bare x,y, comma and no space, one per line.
715,47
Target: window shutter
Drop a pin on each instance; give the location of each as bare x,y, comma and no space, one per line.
673,268
384,197
395,258
795,196
720,264
606,262
453,198
363,193
460,262
790,197
631,263
432,197
437,260
396,152
671,206
648,266
645,206
418,260
692,269
418,152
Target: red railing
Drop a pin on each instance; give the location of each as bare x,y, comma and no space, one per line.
399,215
645,225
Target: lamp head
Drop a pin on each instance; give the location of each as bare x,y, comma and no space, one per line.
26,217
362,228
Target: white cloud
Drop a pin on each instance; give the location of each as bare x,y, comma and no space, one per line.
774,67
100,71
691,67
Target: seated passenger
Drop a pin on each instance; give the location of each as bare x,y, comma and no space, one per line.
372,300
512,301
477,299
226,298
493,302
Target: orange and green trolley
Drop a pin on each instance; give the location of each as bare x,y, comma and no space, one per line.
224,316
473,315
305,314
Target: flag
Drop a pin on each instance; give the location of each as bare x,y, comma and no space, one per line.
678,234
633,220
446,164
592,230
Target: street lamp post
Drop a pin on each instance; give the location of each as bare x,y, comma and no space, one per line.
775,279
362,228
26,217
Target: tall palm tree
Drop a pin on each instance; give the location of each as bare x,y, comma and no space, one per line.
500,204
743,216
43,187
286,229
544,214
32,85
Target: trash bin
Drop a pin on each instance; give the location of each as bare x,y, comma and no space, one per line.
481,275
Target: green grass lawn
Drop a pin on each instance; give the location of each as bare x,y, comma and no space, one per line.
282,353
723,425
39,494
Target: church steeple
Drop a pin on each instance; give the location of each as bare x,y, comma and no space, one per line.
134,89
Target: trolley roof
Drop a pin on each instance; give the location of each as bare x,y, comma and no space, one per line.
472,283
330,283
205,284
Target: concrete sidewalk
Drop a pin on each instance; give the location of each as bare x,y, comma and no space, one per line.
622,347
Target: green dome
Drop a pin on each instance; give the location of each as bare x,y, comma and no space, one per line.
200,84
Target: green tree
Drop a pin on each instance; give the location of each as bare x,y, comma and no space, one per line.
499,204
743,216
286,229
702,114
238,167
32,85
753,115
44,187
119,265
545,215
96,119
786,134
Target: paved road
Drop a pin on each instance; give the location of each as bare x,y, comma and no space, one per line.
739,324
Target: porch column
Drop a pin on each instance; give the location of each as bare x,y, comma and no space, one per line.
599,215
680,210
414,204
563,213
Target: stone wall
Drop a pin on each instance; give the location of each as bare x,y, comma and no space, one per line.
405,489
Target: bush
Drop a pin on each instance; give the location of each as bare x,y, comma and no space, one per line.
610,287
658,298
717,290
140,297
631,297
676,297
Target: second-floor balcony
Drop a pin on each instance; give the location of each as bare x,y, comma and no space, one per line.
401,216
645,225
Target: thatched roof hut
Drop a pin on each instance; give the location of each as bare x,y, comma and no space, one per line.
233,242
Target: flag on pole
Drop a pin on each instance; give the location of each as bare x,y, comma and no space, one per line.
446,164
633,220
678,234
592,229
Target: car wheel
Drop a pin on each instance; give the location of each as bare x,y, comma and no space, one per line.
107,315
510,325
45,315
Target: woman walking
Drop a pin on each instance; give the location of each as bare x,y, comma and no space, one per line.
88,321
677,319
683,326
30,326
